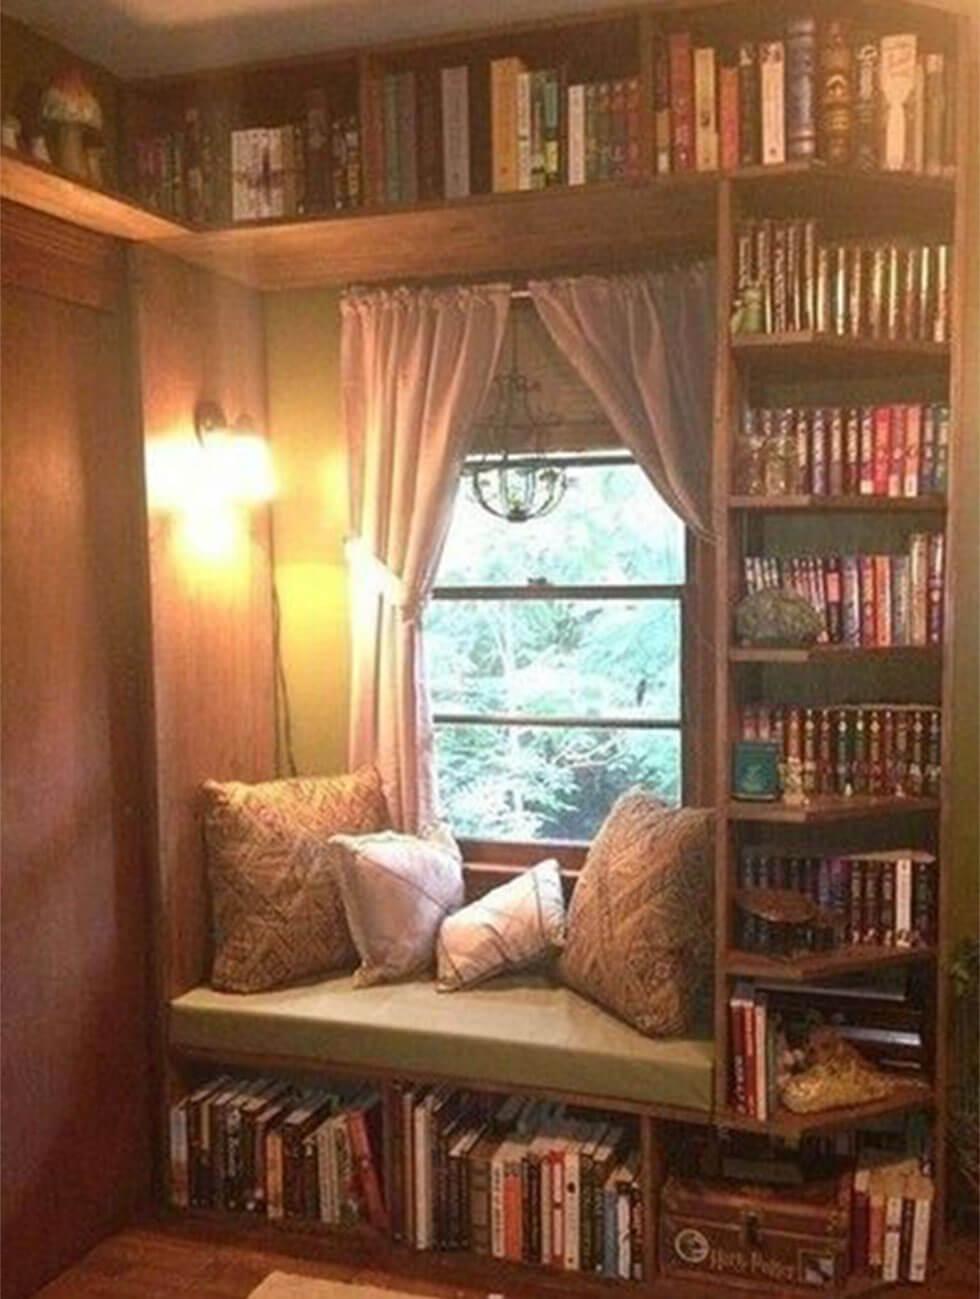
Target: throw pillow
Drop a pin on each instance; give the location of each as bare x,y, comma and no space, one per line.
397,890
641,924
277,911
517,924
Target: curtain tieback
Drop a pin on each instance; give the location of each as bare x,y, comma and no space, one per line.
374,575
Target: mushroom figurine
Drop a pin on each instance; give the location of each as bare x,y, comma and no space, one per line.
70,104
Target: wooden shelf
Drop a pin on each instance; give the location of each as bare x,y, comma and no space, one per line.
46,189
835,654
792,1127
842,504
810,350
829,808
529,232
819,965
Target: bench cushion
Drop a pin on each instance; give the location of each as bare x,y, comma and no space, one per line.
513,1031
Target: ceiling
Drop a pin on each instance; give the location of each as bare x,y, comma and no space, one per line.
143,38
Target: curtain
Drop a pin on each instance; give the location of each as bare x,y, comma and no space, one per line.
644,344
416,366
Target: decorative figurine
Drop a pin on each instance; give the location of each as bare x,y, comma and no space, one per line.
70,104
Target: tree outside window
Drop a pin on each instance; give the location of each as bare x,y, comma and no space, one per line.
555,657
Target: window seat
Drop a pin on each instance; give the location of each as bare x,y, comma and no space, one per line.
522,1031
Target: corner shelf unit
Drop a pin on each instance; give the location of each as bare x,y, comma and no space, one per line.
749,367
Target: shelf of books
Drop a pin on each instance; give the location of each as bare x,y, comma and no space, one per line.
837,398
434,1169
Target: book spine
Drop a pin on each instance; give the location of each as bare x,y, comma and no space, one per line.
865,101
705,110
503,124
935,584
524,141
682,101
921,1224
392,153
836,116
576,135
911,468
898,57
662,129
936,108
801,69
456,132
750,104
903,902
772,63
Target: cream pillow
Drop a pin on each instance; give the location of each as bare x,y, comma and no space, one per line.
517,924
397,890
275,901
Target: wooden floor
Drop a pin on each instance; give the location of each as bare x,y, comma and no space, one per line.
167,1260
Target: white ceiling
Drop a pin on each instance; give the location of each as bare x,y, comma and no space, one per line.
140,38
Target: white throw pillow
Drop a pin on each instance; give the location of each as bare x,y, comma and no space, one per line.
518,924
397,890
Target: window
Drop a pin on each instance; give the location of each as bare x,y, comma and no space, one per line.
555,657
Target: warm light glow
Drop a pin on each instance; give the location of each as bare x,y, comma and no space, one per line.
211,534
227,469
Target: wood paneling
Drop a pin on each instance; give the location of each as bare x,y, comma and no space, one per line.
198,336
75,1090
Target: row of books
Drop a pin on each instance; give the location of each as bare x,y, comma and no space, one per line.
881,749
788,279
518,1179
821,91
770,1021
288,171
900,449
891,1217
867,601
882,899
262,1146
206,172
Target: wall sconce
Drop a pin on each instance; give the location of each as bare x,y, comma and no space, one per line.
207,480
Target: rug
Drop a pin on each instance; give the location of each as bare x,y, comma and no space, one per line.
282,1285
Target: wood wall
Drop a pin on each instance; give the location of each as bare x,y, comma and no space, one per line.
73,886
199,336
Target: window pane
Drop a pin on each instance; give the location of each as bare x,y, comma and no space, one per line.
534,782
611,527
556,658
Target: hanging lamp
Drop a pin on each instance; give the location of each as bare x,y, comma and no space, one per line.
514,478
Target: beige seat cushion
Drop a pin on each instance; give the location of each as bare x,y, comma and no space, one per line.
641,927
516,1031
277,911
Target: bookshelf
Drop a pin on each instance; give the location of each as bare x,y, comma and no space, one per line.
819,367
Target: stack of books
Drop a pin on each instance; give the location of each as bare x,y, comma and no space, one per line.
261,1146
857,289
209,172
869,601
891,1217
820,90
892,750
899,449
769,1023
419,135
881,899
524,1180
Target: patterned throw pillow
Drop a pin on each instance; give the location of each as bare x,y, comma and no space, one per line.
397,890
641,922
517,924
277,911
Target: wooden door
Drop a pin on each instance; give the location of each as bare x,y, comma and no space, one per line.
75,1072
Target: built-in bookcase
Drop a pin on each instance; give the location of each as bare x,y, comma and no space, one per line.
793,843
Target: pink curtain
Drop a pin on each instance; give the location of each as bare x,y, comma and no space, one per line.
416,367
644,344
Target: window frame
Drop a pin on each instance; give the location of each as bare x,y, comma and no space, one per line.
690,597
